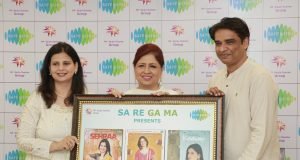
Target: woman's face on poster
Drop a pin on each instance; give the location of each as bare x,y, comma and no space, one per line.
102,148
143,142
193,155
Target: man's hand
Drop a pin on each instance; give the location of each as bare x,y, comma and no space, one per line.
215,91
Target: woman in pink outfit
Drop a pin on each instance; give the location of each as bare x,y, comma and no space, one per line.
144,152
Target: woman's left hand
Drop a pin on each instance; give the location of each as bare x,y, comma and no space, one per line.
67,143
115,92
160,93
179,91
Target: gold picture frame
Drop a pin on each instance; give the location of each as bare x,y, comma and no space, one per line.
171,125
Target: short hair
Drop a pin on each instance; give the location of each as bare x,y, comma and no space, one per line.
106,144
139,141
146,49
196,147
46,88
234,24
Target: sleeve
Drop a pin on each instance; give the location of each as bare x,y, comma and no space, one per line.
109,157
26,139
152,154
136,157
263,112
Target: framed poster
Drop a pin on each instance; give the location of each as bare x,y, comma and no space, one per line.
148,127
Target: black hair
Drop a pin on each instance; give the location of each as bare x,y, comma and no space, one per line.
234,24
47,87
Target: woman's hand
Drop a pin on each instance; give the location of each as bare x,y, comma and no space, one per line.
67,143
115,92
160,93
215,91
179,91
88,157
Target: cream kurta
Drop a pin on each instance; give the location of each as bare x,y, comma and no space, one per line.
145,92
250,122
40,126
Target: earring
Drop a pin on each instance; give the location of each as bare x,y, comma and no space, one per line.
50,74
75,72
159,82
136,83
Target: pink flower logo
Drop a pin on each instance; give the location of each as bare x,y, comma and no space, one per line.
178,30
145,1
279,61
210,61
19,61
50,30
83,61
16,121
81,2
281,126
18,2
89,111
113,30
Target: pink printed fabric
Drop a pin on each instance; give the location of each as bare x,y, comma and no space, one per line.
140,156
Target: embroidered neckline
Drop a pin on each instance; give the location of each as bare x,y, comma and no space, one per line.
61,109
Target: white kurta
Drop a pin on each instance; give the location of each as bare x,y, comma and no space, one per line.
250,122
40,126
146,92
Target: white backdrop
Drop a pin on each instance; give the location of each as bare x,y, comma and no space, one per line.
106,34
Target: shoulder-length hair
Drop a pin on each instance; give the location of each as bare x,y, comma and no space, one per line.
146,49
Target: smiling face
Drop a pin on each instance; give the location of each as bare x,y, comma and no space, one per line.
143,143
102,148
192,154
62,68
148,72
230,49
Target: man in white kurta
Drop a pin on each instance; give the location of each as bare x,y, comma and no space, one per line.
250,118
250,113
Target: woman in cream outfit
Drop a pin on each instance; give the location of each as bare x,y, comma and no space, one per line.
44,132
